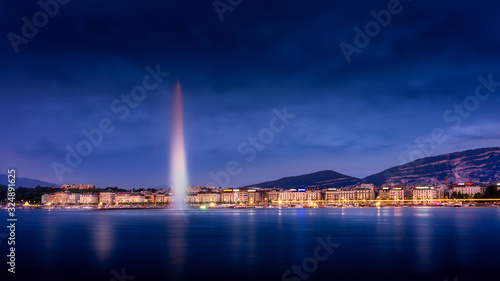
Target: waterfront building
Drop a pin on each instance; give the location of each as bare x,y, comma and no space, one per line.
107,198
73,198
148,196
169,197
61,198
204,197
122,197
164,196
370,187
272,195
331,194
289,195
192,198
243,196
346,194
255,195
425,193
47,198
315,194
383,194
160,198
209,197
396,193
231,195
362,193
136,197
300,195
65,197
250,195
408,192
468,188
89,198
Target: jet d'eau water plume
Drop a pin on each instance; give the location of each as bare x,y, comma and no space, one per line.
178,170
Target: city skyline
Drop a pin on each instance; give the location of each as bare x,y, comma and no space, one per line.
355,115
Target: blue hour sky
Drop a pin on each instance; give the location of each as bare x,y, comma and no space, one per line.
413,78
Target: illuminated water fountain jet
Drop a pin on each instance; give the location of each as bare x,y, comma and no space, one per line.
178,170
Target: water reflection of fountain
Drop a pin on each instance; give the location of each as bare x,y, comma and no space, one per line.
176,243
104,239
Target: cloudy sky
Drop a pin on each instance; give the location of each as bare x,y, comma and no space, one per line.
411,79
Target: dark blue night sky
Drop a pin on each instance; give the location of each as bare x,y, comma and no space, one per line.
415,76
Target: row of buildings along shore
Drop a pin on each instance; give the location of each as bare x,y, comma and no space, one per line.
265,196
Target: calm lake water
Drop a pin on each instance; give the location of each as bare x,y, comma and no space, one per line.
260,244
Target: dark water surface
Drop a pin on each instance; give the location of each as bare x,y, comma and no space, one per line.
260,244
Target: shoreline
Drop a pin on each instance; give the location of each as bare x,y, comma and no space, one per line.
204,208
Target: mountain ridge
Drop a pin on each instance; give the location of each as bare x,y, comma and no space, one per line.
468,165
318,179
25,182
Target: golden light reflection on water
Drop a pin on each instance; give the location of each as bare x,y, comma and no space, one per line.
251,235
423,229
237,236
50,233
398,212
103,238
463,226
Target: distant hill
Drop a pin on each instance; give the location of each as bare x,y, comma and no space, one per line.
470,165
25,182
318,179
